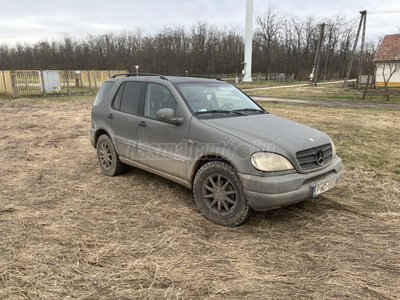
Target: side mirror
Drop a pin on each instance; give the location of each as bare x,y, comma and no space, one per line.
167,115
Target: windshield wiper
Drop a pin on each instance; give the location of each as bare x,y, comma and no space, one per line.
219,111
250,109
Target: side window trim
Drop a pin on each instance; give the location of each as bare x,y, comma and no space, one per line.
140,109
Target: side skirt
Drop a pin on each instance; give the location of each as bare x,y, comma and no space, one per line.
181,181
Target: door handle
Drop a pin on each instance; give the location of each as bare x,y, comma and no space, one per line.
110,116
143,124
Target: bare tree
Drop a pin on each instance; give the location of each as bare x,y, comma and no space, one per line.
333,33
270,23
371,49
348,37
282,43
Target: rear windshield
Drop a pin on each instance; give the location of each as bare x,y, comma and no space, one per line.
101,94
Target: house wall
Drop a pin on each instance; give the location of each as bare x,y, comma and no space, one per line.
394,81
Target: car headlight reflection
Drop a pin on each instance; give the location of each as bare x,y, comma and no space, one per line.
270,162
333,149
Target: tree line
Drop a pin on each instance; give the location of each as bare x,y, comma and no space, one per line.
282,43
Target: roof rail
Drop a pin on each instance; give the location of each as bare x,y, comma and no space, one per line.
139,74
199,76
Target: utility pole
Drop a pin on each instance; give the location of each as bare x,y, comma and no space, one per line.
314,72
363,20
361,58
248,47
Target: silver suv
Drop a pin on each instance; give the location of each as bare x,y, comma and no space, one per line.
209,136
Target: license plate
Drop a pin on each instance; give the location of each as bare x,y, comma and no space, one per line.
322,188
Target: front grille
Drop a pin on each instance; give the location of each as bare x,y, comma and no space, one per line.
308,158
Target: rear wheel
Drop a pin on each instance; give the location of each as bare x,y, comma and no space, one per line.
219,194
109,161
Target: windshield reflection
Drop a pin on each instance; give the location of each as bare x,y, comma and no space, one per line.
217,98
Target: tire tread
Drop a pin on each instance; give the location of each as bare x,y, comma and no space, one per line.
244,210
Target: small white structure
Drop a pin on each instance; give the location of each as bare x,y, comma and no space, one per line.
51,81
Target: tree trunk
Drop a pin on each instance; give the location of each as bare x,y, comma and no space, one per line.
387,91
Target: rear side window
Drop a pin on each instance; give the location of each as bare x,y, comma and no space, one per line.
130,97
118,98
103,91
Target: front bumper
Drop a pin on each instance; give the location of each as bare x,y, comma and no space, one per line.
264,193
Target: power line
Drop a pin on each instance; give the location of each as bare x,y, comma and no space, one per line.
375,12
343,24
387,11
352,20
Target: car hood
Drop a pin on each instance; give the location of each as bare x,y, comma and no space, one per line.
271,133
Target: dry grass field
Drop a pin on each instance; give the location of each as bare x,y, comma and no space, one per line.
334,92
69,232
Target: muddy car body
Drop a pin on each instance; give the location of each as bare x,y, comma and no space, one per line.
209,136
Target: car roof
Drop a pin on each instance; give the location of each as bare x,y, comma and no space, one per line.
187,79
172,79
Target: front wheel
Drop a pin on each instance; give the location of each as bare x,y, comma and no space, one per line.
219,194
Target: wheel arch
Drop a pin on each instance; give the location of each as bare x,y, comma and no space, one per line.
201,161
99,133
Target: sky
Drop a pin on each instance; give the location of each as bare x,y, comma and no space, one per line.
30,21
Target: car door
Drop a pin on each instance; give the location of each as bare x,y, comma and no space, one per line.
161,146
124,119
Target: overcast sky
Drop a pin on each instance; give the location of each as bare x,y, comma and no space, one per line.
29,21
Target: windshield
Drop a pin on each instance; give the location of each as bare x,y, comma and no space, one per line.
216,98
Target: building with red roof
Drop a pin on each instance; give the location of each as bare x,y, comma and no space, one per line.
387,62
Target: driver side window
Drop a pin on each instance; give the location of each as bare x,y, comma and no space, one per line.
157,97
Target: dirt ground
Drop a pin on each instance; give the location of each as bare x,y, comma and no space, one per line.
69,232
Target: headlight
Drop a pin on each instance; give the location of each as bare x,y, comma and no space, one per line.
333,149
270,162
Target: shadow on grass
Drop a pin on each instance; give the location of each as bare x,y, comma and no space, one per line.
289,215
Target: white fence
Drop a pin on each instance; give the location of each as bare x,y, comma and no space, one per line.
43,82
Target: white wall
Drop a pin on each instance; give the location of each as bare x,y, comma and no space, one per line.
394,81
